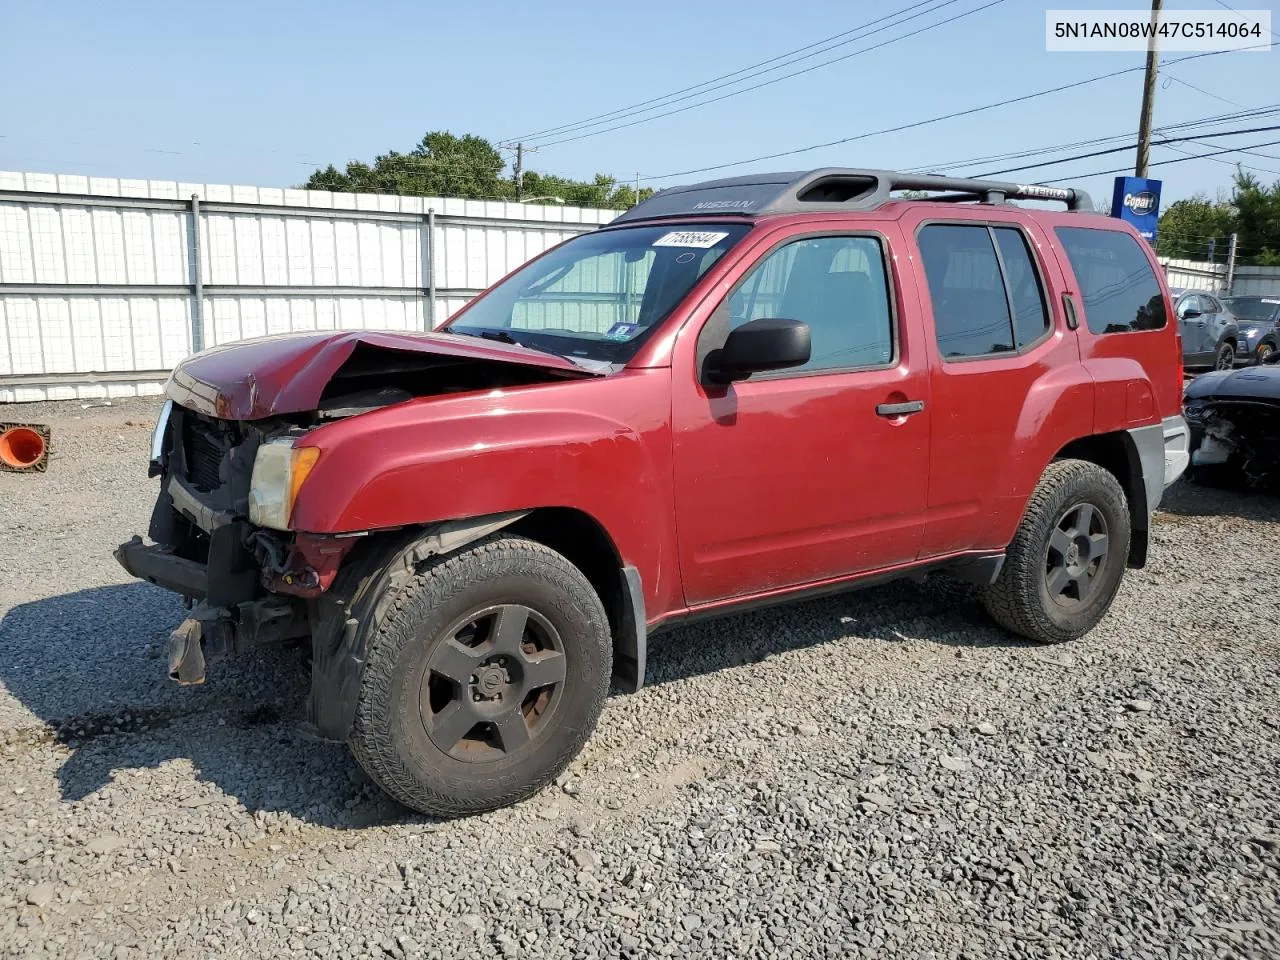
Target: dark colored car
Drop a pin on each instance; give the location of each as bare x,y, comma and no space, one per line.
1209,334
1235,424
1258,322
737,393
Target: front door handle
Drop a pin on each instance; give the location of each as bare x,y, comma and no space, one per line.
904,409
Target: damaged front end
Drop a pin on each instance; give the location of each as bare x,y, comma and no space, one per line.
245,585
228,450
1239,437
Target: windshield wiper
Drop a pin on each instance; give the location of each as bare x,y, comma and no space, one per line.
503,337
500,335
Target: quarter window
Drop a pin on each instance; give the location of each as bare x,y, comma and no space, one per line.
1118,286
836,285
986,293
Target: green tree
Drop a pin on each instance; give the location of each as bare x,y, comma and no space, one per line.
1252,213
445,165
1187,225
1257,210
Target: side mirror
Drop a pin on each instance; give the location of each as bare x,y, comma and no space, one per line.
1191,313
769,343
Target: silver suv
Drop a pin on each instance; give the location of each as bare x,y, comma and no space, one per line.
1209,332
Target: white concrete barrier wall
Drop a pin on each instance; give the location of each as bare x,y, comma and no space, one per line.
1212,277
97,276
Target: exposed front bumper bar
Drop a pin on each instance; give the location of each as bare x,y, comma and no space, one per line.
155,564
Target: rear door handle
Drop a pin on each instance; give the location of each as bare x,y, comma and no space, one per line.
903,409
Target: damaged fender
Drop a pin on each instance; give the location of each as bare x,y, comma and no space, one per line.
372,579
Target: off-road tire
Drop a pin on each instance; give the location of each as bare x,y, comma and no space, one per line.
388,737
1019,600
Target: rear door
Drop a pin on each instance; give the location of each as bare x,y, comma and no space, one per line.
997,340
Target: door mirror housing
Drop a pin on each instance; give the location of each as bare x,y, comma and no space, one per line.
1190,313
768,343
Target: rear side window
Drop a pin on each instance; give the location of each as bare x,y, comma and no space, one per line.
987,298
1118,286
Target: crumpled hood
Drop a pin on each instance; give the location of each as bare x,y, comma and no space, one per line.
1248,383
288,373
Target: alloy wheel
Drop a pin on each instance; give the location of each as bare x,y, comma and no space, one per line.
492,683
1077,554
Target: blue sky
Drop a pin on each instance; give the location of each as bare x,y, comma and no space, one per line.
261,93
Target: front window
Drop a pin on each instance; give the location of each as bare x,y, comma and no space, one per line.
599,296
1253,309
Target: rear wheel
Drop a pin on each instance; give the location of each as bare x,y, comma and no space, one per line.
1264,350
484,677
1066,561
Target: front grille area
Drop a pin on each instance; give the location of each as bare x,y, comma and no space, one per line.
204,447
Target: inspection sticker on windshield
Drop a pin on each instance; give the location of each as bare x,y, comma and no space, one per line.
702,239
621,331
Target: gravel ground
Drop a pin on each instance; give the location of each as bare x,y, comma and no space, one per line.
879,774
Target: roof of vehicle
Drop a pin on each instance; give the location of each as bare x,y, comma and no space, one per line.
832,189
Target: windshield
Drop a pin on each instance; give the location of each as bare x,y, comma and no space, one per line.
600,295
1256,309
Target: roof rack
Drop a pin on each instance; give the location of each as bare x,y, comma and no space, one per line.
833,189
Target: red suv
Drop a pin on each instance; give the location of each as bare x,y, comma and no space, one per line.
739,392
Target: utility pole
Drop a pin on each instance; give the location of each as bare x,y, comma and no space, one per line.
1231,264
519,171
1148,93
637,186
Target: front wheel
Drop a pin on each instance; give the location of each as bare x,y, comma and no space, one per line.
1063,568
485,675
1226,357
1264,350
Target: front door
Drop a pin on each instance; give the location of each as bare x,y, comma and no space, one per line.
812,473
1193,330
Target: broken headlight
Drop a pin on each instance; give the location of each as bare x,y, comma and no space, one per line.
1193,410
158,434
278,472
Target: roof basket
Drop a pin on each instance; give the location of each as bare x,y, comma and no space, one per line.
834,189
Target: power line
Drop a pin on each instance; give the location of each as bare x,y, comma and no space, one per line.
1250,113
921,123
1130,146
698,88
785,76
1234,10
1162,163
1226,163
1254,153
1169,78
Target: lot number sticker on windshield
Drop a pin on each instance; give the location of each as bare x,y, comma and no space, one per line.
702,239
